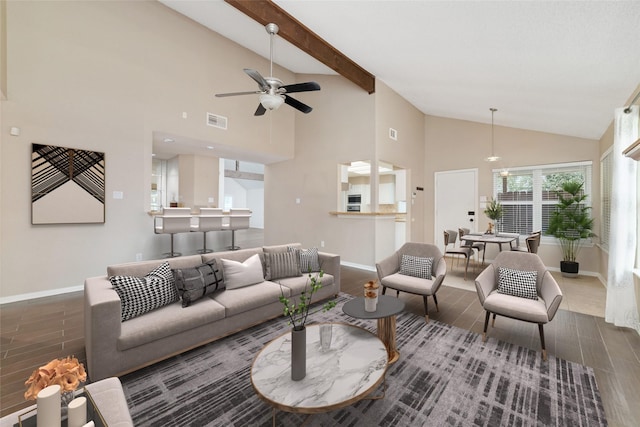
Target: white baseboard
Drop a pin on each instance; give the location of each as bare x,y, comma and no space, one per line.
360,266
40,294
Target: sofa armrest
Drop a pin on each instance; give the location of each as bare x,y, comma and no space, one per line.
440,272
551,294
102,324
330,264
110,400
486,282
388,266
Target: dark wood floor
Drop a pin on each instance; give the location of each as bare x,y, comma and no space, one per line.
36,331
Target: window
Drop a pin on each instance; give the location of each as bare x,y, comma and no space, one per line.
528,197
606,188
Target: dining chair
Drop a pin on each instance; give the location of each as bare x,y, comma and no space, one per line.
478,246
532,243
450,237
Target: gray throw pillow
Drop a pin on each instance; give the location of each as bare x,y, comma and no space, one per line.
416,266
517,283
139,295
279,265
194,283
308,258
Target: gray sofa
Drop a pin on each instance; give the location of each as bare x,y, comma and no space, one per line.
114,347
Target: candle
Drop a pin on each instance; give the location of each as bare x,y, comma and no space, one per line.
49,414
77,412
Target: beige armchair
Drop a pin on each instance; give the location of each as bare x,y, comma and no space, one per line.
389,273
538,311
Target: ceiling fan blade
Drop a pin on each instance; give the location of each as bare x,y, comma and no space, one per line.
258,78
222,95
301,87
260,110
297,104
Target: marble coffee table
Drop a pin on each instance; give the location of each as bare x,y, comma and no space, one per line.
349,371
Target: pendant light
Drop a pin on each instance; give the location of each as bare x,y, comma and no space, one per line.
492,157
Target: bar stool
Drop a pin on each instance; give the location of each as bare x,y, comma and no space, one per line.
173,220
209,219
238,220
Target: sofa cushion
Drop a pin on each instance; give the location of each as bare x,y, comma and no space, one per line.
139,295
517,283
279,265
168,321
416,266
298,284
239,274
309,261
194,283
251,297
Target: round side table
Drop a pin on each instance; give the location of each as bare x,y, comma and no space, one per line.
386,311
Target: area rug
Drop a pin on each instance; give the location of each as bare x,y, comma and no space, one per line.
446,376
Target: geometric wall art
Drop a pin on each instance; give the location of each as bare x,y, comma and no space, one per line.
67,185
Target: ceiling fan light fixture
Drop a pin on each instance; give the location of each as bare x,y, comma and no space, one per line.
271,102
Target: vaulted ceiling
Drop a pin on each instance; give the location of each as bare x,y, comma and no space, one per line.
553,66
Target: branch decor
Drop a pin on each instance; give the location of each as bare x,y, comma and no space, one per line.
299,312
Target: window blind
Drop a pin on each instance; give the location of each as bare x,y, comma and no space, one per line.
528,194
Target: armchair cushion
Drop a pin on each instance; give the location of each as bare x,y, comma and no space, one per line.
411,284
517,283
518,308
416,266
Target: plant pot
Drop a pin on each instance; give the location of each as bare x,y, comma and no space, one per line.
569,268
298,354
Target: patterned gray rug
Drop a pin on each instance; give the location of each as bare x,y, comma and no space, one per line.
446,376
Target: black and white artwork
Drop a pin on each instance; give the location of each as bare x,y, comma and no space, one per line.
67,185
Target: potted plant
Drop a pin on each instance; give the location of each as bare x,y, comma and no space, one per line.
494,212
571,223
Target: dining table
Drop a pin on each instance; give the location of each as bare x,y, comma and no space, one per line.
488,238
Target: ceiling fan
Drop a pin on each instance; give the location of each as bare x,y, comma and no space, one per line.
273,93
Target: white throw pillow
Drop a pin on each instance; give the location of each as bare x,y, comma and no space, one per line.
239,274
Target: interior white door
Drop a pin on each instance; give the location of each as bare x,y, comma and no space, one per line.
456,202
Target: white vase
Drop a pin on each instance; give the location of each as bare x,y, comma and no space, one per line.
370,304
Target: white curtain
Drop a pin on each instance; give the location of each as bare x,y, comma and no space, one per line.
621,308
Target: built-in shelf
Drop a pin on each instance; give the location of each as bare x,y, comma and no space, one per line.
633,150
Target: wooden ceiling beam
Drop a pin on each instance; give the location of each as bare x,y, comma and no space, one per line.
293,31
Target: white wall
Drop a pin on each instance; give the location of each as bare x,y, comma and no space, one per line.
103,76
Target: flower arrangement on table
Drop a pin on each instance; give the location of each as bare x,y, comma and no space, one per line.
298,313
66,372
